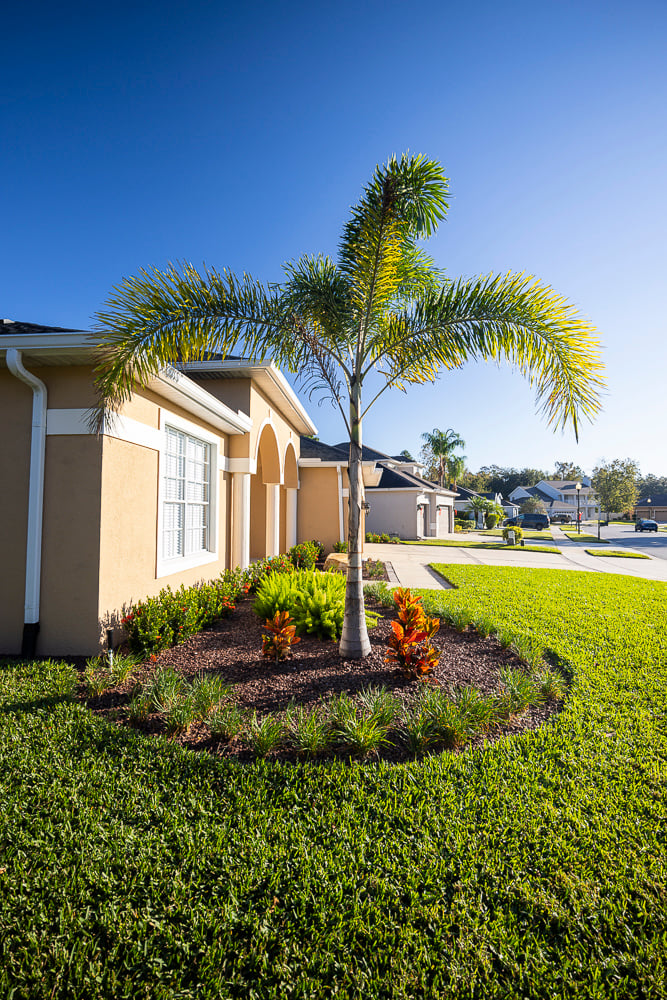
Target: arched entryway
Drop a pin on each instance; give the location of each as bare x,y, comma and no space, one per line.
265,496
288,501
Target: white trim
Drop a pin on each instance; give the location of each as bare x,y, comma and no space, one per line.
240,520
176,387
33,557
168,567
341,519
247,466
266,376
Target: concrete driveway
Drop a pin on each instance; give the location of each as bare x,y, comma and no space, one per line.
410,562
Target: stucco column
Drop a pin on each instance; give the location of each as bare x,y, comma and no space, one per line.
290,517
272,519
240,519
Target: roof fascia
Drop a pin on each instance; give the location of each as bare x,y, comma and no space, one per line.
244,367
179,389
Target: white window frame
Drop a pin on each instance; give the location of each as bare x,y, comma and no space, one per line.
176,564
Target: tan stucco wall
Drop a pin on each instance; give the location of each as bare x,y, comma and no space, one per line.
68,591
317,510
70,546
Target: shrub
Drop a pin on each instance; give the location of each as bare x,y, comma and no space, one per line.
408,644
226,721
265,735
170,618
308,731
379,592
280,636
372,537
304,555
518,532
491,520
315,601
340,547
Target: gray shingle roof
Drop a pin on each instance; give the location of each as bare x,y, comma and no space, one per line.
11,327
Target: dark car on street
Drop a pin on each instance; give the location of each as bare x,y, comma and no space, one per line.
531,521
646,524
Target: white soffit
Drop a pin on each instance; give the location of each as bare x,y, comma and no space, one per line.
180,390
267,377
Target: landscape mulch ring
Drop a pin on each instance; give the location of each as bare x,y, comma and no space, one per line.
315,672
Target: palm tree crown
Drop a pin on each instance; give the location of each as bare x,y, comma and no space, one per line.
382,308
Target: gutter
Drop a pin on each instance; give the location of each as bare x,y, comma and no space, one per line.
33,559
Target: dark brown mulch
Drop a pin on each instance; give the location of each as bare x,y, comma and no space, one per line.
315,671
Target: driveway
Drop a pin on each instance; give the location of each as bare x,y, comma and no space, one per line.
411,562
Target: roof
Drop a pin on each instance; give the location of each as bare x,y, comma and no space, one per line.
12,327
657,500
325,452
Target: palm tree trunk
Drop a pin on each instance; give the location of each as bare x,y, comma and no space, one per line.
354,642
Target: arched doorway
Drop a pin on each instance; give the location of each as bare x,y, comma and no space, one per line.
288,502
265,497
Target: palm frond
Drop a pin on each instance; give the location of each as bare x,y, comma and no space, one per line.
510,317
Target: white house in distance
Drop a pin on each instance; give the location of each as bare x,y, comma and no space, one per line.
559,496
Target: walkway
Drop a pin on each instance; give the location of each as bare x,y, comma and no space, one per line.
410,562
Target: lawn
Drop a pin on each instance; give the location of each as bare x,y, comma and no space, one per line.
532,867
534,536
574,537
617,553
467,544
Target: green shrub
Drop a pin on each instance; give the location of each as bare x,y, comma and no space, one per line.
379,592
315,601
491,520
226,721
340,547
170,618
518,532
304,555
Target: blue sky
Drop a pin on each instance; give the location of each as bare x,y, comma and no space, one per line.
138,134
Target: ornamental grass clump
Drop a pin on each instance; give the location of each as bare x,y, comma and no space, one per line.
408,644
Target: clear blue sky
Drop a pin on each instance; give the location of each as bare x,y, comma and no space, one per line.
139,133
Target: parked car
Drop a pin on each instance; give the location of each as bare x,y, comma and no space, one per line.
532,521
645,524
561,519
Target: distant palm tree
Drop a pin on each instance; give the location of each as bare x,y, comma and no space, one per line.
440,445
456,466
382,310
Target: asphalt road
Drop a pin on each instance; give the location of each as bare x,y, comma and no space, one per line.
624,536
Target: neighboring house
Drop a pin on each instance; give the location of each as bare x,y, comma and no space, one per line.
198,473
559,496
401,502
464,496
653,505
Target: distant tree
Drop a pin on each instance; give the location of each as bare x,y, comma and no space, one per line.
478,482
568,470
456,465
438,448
504,480
615,484
651,484
532,505
406,455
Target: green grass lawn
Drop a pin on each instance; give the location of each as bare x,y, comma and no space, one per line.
535,536
618,553
467,544
534,867
574,537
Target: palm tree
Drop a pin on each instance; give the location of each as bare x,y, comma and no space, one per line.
456,466
382,309
439,446
481,506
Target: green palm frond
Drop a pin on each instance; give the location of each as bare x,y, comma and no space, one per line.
510,317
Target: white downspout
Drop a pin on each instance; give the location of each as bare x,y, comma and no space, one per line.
33,560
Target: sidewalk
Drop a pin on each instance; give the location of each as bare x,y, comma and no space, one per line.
410,562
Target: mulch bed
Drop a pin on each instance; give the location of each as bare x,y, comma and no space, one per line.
315,671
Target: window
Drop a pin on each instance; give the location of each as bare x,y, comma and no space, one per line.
186,505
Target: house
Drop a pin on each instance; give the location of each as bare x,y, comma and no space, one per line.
400,501
560,496
464,496
653,506
198,473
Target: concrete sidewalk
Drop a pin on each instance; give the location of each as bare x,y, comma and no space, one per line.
411,562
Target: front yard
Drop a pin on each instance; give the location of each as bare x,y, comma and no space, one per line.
534,866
